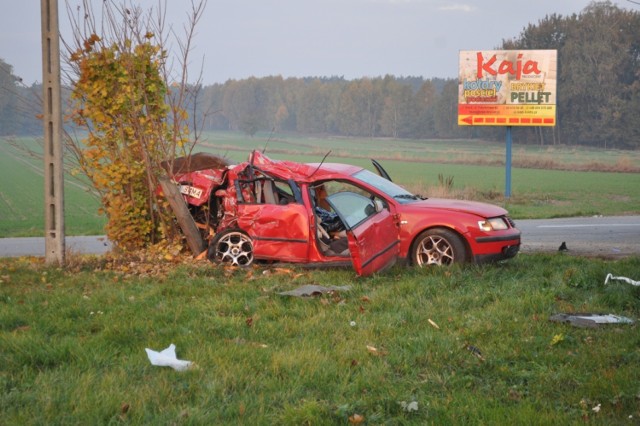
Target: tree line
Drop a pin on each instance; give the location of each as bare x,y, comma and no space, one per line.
598,94
19,105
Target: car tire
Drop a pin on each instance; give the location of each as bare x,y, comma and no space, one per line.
231,247
438,246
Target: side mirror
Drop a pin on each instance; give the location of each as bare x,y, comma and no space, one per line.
369,210
376,206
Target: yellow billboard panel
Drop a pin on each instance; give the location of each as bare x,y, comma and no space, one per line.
507,88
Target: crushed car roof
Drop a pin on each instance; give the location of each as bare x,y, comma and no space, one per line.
300,172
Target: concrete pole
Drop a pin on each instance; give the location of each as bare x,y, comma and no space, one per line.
52,119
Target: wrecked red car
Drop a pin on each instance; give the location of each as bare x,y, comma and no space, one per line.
333,214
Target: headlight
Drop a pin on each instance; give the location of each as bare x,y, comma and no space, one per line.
493,224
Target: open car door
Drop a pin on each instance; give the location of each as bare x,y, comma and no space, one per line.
372,232
381,171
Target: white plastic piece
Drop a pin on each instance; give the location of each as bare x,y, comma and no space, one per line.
628,280
409,407
605,318
167,358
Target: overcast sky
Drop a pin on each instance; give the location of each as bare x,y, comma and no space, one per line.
237,39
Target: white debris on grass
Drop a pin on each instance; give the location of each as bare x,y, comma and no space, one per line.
625,279
167,358
409,407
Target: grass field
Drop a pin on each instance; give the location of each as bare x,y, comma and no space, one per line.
476,152
470,345
22,197
475,167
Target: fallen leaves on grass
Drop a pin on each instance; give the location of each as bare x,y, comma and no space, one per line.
514,395
558,338
250,321
375,351
356,419
239,341
154,261
282,271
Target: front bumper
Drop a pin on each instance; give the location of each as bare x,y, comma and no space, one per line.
507,252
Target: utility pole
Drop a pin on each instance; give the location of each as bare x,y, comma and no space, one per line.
52,119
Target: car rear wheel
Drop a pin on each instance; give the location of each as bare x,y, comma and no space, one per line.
232,247
438,246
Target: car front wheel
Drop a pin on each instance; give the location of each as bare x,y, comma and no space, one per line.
438,246
232,247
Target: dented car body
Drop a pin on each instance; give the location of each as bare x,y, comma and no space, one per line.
333,214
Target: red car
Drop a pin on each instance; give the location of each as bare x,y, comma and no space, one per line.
333,214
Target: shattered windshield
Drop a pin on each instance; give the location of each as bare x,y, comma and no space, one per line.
386,186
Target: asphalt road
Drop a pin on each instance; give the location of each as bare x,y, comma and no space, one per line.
612,236
609,236
15,247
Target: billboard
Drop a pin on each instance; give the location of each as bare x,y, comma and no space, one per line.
507,88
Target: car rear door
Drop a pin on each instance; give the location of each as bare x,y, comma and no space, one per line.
371,230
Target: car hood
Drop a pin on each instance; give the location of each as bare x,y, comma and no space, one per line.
471,207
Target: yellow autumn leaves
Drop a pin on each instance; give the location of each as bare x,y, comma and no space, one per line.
119,97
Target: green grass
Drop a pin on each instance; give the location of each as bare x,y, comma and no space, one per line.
536,193
22,196
72,345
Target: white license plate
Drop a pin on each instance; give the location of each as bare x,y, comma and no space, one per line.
191,191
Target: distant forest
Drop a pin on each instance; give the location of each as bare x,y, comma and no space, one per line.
598,94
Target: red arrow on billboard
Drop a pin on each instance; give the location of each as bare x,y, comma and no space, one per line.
497,120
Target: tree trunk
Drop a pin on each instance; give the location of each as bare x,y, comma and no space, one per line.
184,218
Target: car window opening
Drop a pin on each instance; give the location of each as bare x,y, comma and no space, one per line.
265,190
331,232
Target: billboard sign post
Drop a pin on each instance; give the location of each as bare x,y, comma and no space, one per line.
507,88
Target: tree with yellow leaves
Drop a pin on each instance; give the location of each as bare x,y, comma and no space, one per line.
132,114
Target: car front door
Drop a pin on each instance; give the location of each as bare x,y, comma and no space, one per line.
371,230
